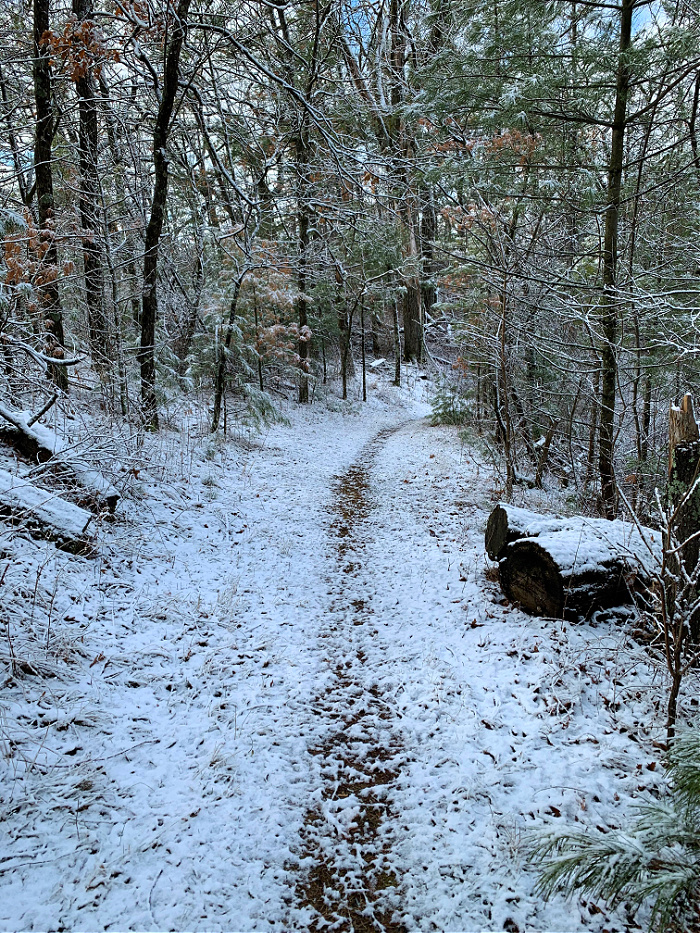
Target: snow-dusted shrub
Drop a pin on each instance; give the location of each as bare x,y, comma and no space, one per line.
449,405
655,861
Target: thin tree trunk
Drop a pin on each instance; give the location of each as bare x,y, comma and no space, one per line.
303,241
161,159
692,126
257,340
610,309
502,392
48,290
223,355
646,419
119,180
397,344
364,360
89,205
12,140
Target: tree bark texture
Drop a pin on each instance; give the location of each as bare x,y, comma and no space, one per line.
161,159
428,233
412,324
43,175
550,564
537,574
90,205
609,308
683,471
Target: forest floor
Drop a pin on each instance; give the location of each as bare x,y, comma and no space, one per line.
288,695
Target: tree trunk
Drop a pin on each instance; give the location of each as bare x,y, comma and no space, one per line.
397,344
428,233
609,309
403,157
223,355
12,140
364,357
48,289
89,205
683,471
161,159
303,241
412,324
646,419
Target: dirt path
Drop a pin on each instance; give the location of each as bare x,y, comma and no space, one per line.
291,699
347,836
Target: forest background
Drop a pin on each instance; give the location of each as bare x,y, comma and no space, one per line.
218,196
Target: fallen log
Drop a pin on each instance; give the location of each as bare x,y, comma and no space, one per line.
45,515
509,523
552,565
42,445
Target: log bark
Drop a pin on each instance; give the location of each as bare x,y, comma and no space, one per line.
683,491
41,445
45,515
508,523
554,566
556,575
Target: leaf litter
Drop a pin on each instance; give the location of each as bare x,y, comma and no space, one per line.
287,695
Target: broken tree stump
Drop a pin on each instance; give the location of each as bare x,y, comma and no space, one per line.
552,565
683,466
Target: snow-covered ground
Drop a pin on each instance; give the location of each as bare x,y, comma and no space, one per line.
289,666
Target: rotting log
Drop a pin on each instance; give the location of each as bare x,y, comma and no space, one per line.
42,445
554,566
45,515
509,523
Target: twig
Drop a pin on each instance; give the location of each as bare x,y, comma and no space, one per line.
42,411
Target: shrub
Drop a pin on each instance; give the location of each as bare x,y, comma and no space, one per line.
656,861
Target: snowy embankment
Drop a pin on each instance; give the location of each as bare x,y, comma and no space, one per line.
168,728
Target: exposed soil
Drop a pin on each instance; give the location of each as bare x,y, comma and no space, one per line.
350,885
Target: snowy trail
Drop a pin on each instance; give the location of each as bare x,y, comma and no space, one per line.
352,883
290,698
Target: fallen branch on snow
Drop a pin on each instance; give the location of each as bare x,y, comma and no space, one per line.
45,514
43,445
